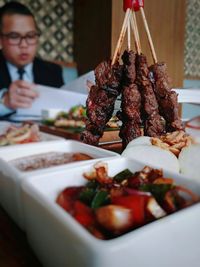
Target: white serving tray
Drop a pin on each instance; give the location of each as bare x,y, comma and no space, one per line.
58,240
11,177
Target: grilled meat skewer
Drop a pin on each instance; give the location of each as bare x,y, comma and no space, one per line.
101,100
167,99
130,101
153,122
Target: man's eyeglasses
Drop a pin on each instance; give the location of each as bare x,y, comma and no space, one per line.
15,38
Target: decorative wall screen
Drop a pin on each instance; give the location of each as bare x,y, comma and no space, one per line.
55,20
192,39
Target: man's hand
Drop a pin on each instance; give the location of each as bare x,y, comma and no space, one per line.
21,94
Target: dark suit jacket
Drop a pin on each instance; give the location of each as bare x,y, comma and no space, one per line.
44,72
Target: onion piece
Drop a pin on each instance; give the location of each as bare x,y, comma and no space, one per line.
114,218
155,209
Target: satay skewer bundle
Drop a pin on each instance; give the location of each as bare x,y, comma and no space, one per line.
143,99
167,99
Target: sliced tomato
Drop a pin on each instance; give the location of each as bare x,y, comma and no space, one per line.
136,203
27,140
66,199
32,137
83,214
136,182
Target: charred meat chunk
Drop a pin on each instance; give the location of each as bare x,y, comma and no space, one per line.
101,100
130,101
129,131
167,99
149,101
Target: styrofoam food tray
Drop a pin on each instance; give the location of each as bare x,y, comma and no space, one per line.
11,177
58,240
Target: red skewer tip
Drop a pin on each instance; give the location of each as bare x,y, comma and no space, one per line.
127,4
136,4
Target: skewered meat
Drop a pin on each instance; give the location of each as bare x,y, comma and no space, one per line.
90,138
101,100
130,101
100,104
92,133
128,58
129,131
107,76
153,125
150,104
167,99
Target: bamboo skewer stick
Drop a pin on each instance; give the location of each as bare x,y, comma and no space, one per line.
129,35
136,33
121,36
149,36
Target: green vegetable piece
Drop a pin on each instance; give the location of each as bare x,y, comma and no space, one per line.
87,195
125,174
84,113
62,114
92,184
49,122
101,198
110,129
73,109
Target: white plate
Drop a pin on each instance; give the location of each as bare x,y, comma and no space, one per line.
11,177
58,240
192,127
4,125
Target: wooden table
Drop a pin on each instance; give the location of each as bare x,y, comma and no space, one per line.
14,248
110,139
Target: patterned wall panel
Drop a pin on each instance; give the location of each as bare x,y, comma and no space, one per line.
55,20
192,39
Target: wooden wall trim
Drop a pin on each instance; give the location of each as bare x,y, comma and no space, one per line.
92,33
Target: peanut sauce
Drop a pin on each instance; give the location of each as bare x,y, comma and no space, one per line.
46,160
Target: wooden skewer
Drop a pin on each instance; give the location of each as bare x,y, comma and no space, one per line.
149,36
129,35
121,36
136,33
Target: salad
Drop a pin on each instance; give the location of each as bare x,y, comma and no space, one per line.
111,206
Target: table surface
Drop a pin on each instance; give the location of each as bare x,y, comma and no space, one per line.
109,141
14,248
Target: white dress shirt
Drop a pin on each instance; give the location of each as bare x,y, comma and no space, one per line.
14,75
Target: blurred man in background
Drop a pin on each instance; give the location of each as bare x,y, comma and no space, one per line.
20,69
